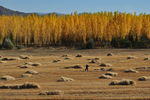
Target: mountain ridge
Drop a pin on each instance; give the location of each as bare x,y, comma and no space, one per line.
9,12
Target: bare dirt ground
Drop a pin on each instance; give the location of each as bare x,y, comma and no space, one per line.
86,85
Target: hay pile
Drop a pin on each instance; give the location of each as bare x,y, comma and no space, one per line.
67,58
33,72
110,54
26,85
105,65
24,66
123,82
106,69
55,92
144,78
111,73
55,61
64,56
105,77
24,57
131,57
9,59
7,78
74,67
65,79
131,71
93,61
146,58
143,68
33,64
78,55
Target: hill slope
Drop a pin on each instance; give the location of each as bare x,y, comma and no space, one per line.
6,11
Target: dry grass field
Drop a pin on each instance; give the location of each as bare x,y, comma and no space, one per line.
50,65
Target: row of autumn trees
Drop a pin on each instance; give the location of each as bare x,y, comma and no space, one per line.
105,29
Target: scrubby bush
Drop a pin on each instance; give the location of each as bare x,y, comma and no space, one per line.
90,44
7,44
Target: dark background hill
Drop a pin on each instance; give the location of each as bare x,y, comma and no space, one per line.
6,11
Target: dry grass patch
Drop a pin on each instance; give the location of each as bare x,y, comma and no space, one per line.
123,82
144,78
27,85
65,79
54,92
7,78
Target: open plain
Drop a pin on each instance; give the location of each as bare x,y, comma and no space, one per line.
46,66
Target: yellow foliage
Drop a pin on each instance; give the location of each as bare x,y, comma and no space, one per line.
74,28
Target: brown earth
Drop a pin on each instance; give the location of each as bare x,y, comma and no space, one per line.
86,85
